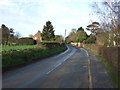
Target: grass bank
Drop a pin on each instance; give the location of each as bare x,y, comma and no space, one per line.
95,52
112,71
13,58
7,48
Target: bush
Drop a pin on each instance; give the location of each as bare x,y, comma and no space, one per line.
14,58
26,41
51,44
90,40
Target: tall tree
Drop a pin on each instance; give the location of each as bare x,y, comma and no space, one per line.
0,36
5,34
8,36
108,13
71,37
79,36
11,32
11,38
80,29
94,28
48,32
90,39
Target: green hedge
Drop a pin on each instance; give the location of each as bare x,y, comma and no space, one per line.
51,44
17,57
26,41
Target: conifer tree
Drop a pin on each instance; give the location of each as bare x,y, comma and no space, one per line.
48,32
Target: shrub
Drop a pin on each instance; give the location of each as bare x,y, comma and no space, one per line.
51,44
12,58
26,41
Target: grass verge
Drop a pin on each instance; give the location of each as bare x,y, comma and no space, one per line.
113,72
92,51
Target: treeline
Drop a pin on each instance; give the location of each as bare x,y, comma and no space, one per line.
81,36
107,31
9,37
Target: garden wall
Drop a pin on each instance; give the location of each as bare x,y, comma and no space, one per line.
111,54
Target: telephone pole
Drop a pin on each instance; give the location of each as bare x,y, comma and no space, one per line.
65,34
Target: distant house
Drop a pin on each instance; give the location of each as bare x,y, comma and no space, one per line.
37,36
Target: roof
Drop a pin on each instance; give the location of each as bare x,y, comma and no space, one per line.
37,36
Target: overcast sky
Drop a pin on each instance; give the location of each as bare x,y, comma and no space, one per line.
29,16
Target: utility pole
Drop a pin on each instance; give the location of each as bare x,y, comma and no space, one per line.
65,34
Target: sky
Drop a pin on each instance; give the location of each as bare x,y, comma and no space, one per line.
29,16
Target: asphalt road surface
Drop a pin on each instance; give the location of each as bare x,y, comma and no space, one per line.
70,69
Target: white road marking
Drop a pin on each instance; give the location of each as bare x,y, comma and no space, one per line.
89,70
50,71
63,60
47,70
54,68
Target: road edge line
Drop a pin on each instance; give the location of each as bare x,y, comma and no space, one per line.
89,70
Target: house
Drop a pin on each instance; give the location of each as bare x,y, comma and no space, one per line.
37,36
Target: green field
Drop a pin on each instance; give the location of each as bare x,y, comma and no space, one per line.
6,48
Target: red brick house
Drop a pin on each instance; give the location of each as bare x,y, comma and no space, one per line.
37,36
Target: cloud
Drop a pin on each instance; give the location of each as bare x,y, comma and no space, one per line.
6,3
29,16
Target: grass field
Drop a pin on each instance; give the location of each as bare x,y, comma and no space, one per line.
6,48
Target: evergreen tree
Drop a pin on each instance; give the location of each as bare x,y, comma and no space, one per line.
48,32
5,34
81,35
77,36
80,29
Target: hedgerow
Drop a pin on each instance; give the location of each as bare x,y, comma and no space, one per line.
13,58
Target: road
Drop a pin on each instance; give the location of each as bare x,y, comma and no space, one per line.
70,69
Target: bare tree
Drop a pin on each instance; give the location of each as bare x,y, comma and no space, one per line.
108,13
17,35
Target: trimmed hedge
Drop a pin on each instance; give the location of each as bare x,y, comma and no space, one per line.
26,41
49,44
13,58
